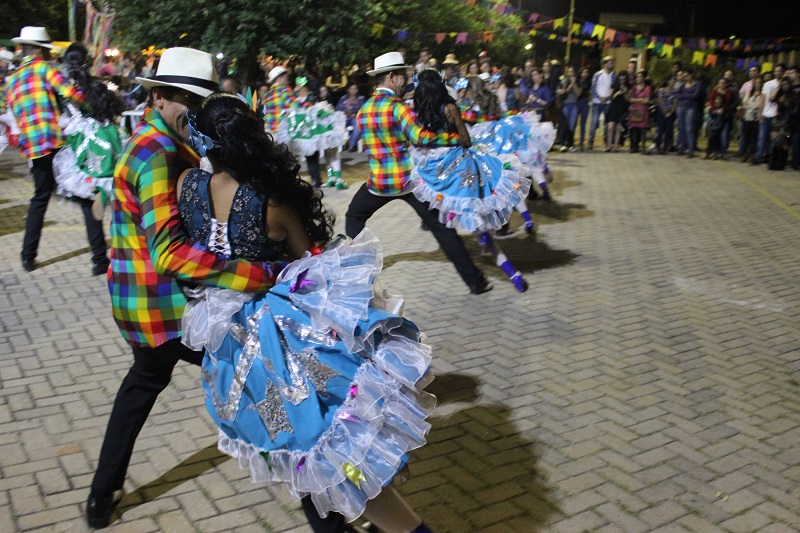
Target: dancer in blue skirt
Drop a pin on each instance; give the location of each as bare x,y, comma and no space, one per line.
471,189
316,384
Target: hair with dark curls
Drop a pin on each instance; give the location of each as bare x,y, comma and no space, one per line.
430,97
102,103
254,159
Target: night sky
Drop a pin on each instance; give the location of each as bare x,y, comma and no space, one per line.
713,19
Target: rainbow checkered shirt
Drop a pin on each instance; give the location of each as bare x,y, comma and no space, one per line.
149,250
387,125
275,102
31,97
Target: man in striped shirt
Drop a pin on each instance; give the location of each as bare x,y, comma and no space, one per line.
387,125
31,97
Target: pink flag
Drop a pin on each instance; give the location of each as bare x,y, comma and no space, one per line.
461,38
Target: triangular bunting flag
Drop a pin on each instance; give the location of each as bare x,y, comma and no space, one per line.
598,31
377,29
439,38
711,60
698,58
666,50
609,37
558,23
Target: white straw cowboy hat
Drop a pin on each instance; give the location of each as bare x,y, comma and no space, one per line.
184,68
388,62
450,60
275,72
33,36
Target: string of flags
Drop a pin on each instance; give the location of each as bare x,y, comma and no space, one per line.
705,52
665,46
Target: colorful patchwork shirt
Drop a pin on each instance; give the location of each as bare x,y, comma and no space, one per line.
387,125
31,96
149,248
276,101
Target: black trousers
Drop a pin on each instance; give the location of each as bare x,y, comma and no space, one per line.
364,204
150,374
44,186
312,162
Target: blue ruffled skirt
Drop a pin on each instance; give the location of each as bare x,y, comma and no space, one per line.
318,383
522,135
471,189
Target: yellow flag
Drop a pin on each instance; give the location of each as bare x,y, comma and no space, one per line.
576,29
599,31
766,67
558,23
698,58
678,42
666,50
377,29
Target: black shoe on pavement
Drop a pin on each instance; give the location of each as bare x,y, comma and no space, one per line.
29,265
98,511
100,268
482,286
424,227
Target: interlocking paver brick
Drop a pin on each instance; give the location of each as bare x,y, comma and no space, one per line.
649,367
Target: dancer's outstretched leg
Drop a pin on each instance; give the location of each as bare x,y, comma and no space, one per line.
502,261
522,209
334,169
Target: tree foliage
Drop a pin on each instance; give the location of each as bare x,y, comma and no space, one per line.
325,30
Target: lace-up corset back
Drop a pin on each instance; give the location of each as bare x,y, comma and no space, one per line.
245,237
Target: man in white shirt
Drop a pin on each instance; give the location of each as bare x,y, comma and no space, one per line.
601,97
764,146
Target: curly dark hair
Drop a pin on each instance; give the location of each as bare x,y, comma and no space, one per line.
101,103
430,99
254,159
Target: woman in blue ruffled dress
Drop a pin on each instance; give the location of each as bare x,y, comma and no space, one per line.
520,134
471,189
316,384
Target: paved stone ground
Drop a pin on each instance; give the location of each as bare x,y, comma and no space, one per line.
648,381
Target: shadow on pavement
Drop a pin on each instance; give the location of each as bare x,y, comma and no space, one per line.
190,468
488,469
449,388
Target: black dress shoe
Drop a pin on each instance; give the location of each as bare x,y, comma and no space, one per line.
98,511
29,265
482,286
100,268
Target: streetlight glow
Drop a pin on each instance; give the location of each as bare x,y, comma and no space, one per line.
528,46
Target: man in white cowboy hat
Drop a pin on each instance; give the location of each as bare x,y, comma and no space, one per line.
386,126
149,254
30,96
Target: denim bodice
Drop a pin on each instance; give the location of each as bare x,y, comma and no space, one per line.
246,222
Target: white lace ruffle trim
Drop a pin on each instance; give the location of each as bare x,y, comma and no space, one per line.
382,419
478,214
